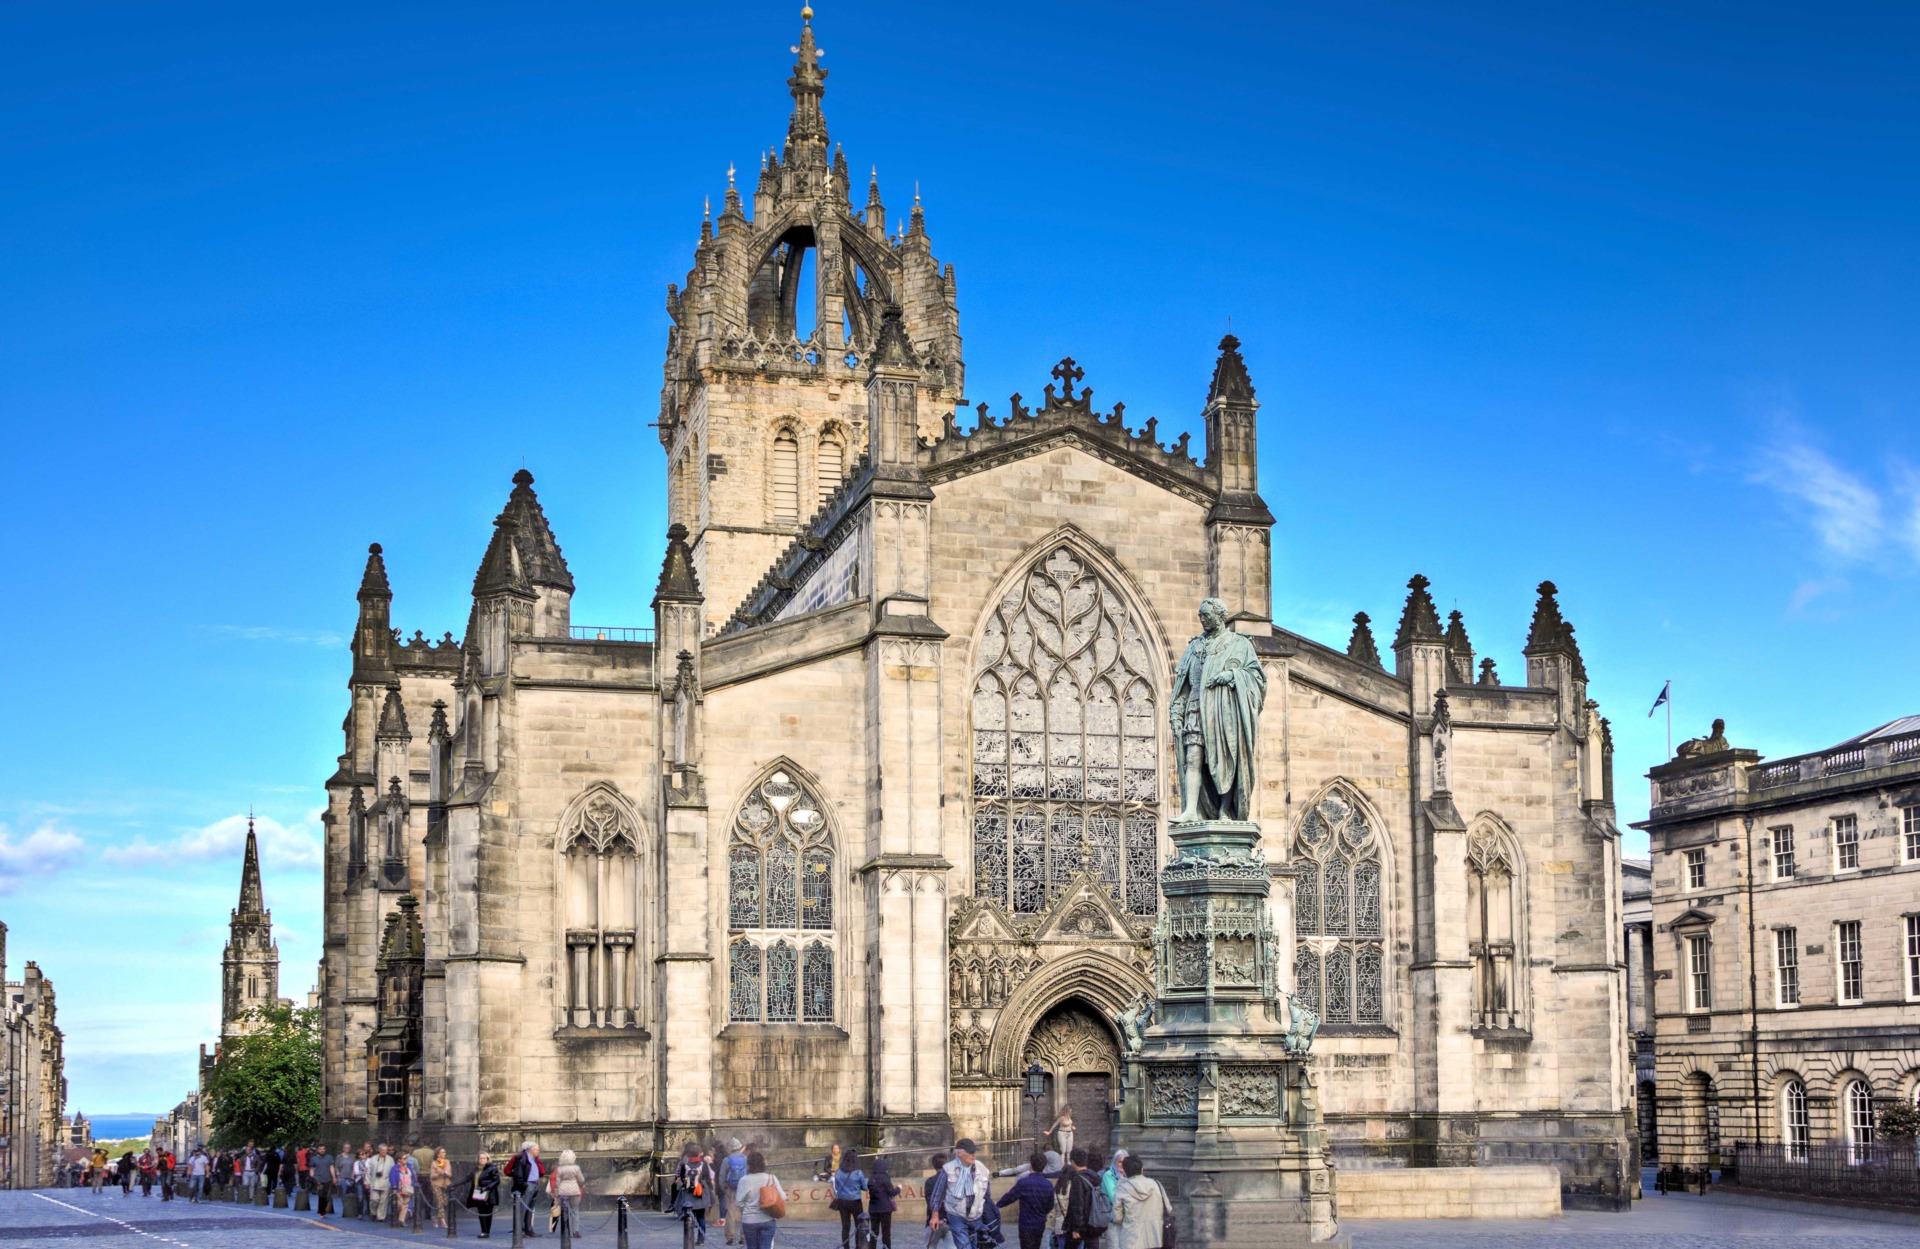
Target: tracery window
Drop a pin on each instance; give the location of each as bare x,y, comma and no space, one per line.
1339,963
780,867
1493,920
1066,753
601,880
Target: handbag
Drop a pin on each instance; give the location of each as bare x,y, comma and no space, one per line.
772,1204
1169,1229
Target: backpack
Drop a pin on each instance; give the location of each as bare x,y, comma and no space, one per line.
1099,1207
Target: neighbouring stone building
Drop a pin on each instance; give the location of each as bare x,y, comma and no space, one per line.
1800,878
1636,913
869,820
33,1078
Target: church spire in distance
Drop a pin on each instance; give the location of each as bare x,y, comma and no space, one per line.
252,902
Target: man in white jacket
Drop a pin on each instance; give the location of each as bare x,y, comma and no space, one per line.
964,1192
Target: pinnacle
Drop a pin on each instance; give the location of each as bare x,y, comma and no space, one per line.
1420,621
1231,384
373,582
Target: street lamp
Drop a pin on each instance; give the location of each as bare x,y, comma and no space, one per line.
1036,1089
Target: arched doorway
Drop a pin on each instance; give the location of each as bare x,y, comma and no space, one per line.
1076,1047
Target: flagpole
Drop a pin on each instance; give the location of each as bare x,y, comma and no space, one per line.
1669,719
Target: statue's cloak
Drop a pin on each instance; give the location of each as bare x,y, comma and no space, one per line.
1229,714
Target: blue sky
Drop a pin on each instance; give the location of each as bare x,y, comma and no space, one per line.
1621,295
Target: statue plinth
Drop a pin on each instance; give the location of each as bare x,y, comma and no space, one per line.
1220,1097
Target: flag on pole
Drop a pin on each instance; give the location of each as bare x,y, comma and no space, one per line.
1660,701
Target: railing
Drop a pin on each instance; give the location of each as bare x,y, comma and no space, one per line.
1879,1174
1855,758
608,633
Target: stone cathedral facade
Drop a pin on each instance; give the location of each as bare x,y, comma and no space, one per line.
869,820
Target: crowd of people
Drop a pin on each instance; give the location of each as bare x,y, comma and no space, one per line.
1066,1198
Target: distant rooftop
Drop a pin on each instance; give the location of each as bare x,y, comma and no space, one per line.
1893,728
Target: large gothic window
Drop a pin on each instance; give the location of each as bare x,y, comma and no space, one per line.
1493,921
1339,963
780,950
1066,756
600,879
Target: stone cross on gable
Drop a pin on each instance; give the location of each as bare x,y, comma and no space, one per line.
1067,373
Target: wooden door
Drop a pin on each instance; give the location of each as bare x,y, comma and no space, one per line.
1087,1093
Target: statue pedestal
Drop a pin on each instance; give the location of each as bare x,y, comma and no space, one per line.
1218,1106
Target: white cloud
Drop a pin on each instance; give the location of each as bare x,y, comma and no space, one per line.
280,846
42,852
1845,512
268,633
1907,529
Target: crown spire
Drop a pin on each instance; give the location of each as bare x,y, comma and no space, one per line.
807,130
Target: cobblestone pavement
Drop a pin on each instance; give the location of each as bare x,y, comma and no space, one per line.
111,1221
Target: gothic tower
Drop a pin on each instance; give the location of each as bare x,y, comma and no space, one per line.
250,969
764,406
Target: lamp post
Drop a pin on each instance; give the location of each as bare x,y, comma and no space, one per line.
1036,1089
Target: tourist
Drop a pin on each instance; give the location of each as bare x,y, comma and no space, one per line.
693,1184
422,1164
883,1198
1111,1177
270,1170
406,1182
99,1169
569,1184
379,1182
198,1167
1062,1132
829,1164
757,1226
165,1163
126,1174
1080,1222
1139,1208
964,1185
1035,1196
527,1172
320,1171
483,1192
849,1196
439,1184
146,1172
934,1163
361,1166
731,1172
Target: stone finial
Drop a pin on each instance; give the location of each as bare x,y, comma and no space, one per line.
891,349
373,582
1550,634
438,729
1459,650
1489,675
1231,384
1420,621
393,716
1361,647
539,551
678,582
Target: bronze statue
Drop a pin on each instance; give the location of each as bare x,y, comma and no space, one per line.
1712,744
1218,690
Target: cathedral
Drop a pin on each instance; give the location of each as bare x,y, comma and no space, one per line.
865,828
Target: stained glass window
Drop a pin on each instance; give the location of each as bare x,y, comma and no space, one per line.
783,983
1066,744
780,869
1338,915
816,982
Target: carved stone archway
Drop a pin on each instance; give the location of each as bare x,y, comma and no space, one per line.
1081,1055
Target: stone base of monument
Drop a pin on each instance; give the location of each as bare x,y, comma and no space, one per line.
1222,1112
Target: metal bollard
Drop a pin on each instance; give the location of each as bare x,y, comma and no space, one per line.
453,1213
566,1229
620,1237
514,1212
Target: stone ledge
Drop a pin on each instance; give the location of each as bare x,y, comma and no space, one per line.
1523,1192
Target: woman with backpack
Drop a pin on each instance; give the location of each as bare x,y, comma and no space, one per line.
849,1193
693,1181
761,1202
883,1198
1139,1208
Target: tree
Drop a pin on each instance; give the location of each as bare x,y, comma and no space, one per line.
265,1086
1900,1121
